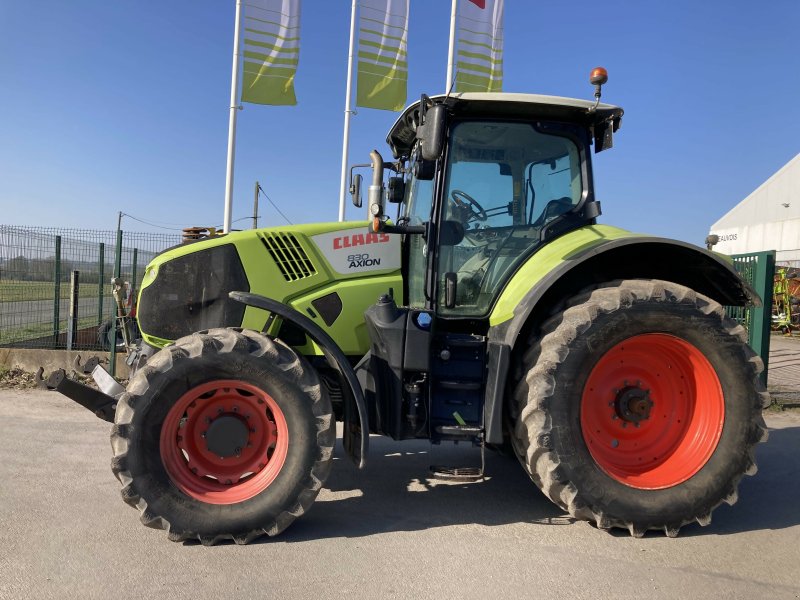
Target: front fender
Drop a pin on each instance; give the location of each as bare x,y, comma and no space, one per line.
356,430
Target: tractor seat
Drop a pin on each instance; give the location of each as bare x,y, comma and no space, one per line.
553,209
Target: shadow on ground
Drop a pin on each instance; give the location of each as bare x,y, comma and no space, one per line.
768,501
771,499
396,493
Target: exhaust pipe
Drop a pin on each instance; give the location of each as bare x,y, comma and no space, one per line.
375,204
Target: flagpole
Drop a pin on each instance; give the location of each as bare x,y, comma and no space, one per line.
226,226
451,51
347,111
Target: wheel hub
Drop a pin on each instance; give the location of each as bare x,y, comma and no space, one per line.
662,424
633,404
226,436
224,441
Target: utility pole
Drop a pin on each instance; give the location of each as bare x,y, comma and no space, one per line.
255,206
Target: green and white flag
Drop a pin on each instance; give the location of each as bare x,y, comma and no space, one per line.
271,32
479,63
382,54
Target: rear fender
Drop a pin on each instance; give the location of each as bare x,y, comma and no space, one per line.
356,428
629,257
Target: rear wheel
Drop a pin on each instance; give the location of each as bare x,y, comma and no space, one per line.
227,434
640,407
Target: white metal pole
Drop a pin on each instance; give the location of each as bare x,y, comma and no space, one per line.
226,224
347,112
451,51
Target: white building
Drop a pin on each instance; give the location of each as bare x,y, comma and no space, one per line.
768,219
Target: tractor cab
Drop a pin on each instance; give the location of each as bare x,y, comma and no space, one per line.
489,179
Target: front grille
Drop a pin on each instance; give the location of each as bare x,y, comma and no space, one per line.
289,255
190,293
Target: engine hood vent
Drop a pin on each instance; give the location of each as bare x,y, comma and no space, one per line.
289,255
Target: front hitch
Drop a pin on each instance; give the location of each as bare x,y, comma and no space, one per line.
100,403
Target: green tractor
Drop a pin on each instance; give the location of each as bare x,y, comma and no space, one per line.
491,308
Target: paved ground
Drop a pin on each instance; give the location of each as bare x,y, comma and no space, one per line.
385,532
784,369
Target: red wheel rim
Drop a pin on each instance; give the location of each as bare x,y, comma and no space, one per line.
202,473
652,411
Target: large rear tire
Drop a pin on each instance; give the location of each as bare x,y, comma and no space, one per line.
639,406
227,434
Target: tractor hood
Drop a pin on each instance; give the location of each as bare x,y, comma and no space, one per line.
185,289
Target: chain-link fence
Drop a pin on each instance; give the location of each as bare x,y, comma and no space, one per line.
37,266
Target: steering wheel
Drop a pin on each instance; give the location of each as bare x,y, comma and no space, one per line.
468,204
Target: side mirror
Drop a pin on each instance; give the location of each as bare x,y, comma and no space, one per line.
603,136
355,190
431,132
396,190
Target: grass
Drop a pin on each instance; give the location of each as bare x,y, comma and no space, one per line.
35,331
12,290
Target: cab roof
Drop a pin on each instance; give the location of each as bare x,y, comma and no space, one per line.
501,105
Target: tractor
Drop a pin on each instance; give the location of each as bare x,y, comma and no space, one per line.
480,302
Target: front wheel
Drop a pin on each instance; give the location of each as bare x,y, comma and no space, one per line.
227,434
640,406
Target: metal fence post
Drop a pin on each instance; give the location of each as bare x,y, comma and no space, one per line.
757,269
761,319
72,320
117,268
133,271
57,299
101,279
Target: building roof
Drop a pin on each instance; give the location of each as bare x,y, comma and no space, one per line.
777,199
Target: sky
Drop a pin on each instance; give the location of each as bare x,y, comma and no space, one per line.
109,106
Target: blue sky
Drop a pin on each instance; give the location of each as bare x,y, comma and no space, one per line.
122,105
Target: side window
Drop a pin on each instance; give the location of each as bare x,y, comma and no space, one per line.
504,182
553,187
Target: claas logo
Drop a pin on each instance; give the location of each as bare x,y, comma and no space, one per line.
359,239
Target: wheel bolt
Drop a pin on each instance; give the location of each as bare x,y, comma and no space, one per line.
260,401
220,411
253,430
208,420
235,409
202,434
